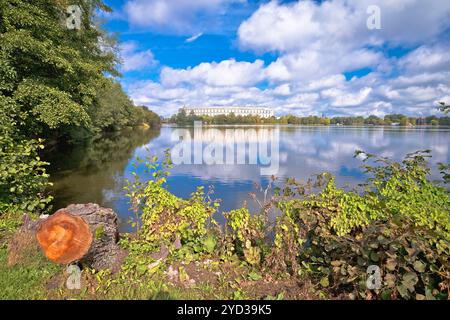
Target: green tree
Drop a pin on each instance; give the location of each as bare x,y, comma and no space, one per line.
54,84
111,112
404,121
52,73
373,120
434,122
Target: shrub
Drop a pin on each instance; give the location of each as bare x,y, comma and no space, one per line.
164,216
399,222
396,224
248,234
22,172
164,221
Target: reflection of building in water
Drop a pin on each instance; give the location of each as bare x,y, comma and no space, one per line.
238,111
227,146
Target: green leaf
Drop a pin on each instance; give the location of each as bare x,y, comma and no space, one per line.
429,294
324,282
403,291
210,244
142,268
374,256
254,276
419,266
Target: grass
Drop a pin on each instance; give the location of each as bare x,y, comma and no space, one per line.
36,278
25,281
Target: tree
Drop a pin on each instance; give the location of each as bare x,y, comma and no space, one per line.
373,120
52,73
434,122
404,121
114,110
55,83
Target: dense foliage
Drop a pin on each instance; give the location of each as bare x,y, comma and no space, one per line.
22,173
56,76
55,84
182,118
50,72
114,110
161,217
400,222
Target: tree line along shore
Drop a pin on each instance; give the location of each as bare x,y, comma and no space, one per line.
182,118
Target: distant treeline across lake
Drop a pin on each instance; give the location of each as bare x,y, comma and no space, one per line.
392,119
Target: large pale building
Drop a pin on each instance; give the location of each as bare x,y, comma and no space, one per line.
238,111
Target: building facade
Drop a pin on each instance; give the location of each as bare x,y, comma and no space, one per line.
238,111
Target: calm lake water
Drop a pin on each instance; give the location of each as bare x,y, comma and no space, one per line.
96,172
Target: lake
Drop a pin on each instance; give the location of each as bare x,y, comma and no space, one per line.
97,171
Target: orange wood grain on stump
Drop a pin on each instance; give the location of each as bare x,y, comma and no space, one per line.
64,238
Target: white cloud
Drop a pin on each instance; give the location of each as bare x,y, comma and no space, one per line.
326,82
134,60
180,16
194,37
421,79
320,39
293,26
309,65
225,73
316,44
283,90
427,58
343,99
304,24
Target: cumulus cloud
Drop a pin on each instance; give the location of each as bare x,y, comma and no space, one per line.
338,98
309,65
225,73
318,45
135,60
180,16
434,58
307,23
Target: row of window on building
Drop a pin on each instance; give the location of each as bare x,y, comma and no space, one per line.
265,112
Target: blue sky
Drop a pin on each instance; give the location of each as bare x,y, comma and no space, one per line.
299,57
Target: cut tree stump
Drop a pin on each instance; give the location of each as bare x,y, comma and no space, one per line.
64,237
85,233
